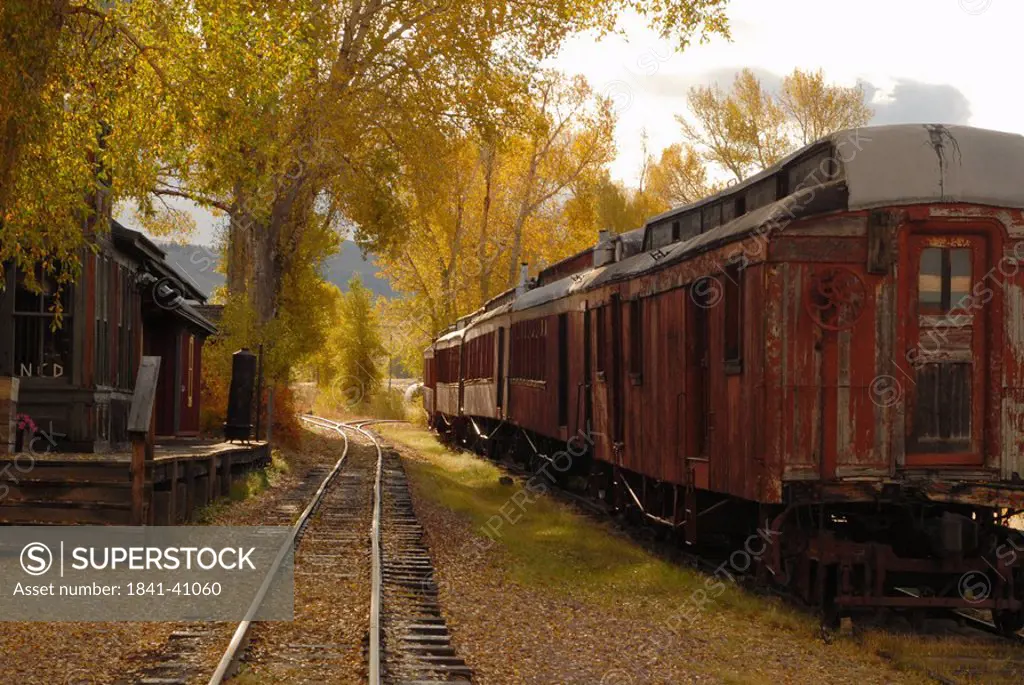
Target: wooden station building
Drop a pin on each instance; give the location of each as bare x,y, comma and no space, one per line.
76,382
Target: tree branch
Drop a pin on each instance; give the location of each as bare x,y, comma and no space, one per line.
198,199
144,50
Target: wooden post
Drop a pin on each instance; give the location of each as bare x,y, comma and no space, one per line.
172,509
211,484
8,414
225,475
190,489
141,428
270,416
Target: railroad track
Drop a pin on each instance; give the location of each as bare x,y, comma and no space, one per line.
408,639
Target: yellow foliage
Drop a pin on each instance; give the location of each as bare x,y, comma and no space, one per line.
748,128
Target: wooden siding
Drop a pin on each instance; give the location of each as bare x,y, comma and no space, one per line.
821,392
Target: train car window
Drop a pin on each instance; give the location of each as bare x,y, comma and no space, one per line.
599,323
959,278
661,235
929,280
943,280
636,342
712,217
529,353
689,226
732,285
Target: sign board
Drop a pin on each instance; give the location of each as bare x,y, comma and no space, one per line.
141,411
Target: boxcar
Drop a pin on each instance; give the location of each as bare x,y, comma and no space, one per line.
830,353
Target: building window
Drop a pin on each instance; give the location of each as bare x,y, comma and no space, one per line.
636,342
101,341
944,280
41,349
733,329
126,330
599,324
529,350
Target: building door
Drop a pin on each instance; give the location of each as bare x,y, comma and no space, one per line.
944,368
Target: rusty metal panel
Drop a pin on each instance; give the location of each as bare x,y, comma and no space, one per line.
774,333
807,249
801,391
655,400
1012,414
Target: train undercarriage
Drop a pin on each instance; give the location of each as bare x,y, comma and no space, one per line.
899,552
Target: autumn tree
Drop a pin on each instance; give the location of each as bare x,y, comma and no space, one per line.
748,128
479,203
738,130
87,120
304,111
678,177
359,343
816,108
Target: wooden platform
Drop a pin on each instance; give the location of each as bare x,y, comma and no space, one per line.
69,489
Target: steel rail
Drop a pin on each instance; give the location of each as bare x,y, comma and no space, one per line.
376,580
229,660
376,583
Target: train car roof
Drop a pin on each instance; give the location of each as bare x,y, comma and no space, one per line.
857,169
905,164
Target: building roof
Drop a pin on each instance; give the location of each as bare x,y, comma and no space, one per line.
152,255
153,259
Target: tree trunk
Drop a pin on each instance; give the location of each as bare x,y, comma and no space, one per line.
481,250
265,278
524,212
239,254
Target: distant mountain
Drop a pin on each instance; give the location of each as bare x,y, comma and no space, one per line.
199,265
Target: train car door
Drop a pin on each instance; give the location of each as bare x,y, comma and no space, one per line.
462,373
617,400
698,363
944,375
500,390
588,406
563,370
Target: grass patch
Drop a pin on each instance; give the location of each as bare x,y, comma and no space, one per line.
548,544
382,404
250,485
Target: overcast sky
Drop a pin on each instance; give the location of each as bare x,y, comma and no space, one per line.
933,61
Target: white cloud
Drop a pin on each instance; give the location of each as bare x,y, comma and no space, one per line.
925,60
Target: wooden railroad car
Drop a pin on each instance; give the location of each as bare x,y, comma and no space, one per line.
828,357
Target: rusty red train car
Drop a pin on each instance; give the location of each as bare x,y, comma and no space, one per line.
831,351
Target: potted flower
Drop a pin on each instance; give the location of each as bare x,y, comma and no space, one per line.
24,424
